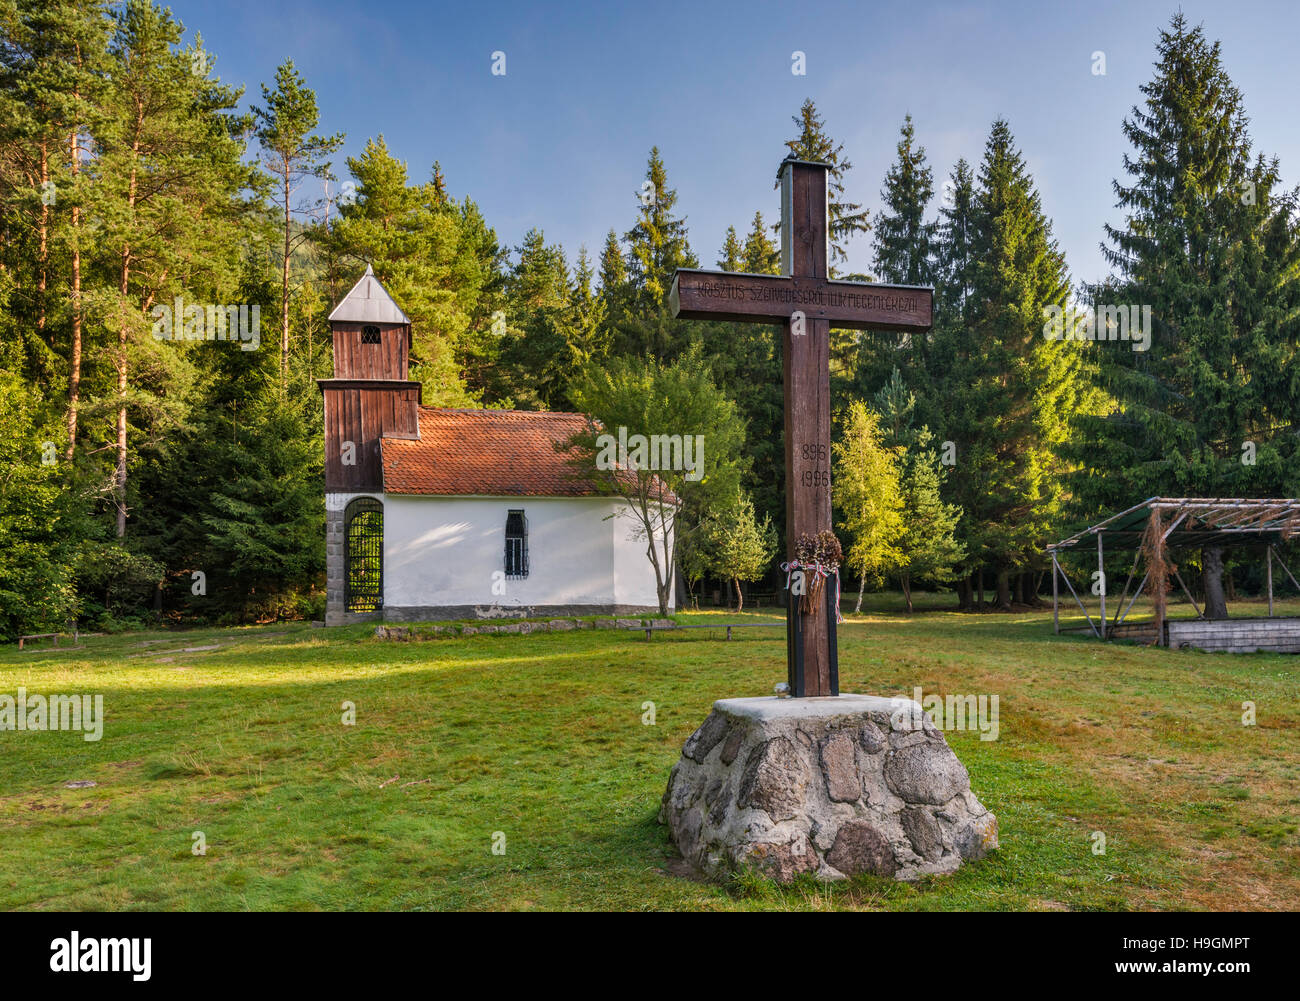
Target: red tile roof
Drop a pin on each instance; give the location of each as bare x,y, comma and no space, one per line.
487,453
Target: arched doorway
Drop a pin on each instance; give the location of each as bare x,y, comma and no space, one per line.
363,555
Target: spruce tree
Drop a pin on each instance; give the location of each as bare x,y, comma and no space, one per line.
732,255
737,545
657,247
39,516
613,268
1012,395
904,254
904,240
657,243
760,255
477,278
928,548
589,335
950,357
954,260
1036,388
846,219
537,350
1211,247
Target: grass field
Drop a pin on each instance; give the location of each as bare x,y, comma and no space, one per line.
541,738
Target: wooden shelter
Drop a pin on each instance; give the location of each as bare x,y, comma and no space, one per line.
1158,525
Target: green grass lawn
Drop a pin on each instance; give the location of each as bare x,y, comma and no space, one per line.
540,737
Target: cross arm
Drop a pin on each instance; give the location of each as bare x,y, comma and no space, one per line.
728,295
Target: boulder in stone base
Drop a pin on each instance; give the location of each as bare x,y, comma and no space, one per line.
830,786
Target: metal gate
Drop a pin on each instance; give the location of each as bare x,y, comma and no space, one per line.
363,555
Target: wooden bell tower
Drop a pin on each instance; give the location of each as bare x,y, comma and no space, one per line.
368,399
369,395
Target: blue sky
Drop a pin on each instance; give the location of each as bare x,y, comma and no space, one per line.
560,142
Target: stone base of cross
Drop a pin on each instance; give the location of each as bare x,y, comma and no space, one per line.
807,303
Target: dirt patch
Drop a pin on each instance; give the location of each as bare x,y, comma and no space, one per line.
681,869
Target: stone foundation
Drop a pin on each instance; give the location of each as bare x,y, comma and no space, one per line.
457,613
424,632
829,786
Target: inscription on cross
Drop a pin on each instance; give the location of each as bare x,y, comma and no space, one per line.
807,302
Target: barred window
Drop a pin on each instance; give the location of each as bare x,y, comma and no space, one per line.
369,335
516,544
363,555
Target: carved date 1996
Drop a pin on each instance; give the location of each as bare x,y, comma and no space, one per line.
816,453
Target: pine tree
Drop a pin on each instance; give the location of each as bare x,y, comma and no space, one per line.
169,179
291,152
439,183
51,81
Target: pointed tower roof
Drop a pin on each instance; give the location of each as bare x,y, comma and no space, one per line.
368,302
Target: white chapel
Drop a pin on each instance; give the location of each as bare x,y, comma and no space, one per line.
436,513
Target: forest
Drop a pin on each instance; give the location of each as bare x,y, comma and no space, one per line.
166,274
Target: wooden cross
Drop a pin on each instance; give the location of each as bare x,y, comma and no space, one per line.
808,303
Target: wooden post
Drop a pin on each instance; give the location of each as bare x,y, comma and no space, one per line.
1269,551
1101,569
807,386
1056,596
1128,580
1161,578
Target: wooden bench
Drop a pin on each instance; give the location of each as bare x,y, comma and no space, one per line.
72,627
728,626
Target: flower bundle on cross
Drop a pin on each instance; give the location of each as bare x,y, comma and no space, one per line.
816,560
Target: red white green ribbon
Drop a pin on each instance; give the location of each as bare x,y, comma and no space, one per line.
818,572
